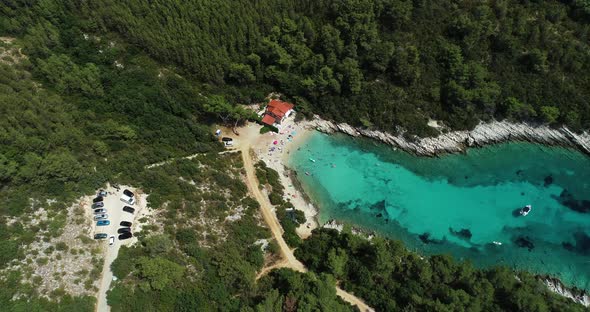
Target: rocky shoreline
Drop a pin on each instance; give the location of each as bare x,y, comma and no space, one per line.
556,286
458,141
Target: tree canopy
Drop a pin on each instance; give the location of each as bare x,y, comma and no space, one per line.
108,87
391,278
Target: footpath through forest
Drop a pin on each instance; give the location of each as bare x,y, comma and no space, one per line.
289,260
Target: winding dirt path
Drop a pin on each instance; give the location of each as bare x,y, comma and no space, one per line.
189,157
289,260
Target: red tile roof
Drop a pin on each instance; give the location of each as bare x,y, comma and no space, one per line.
275,111
279,108
268,119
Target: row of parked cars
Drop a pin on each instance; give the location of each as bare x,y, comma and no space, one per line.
101,217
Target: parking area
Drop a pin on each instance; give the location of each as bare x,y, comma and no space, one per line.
113,213
122,215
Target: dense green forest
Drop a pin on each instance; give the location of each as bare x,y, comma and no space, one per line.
108,87
390,278
79,109
372,63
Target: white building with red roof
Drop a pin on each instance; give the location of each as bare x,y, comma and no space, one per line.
276,112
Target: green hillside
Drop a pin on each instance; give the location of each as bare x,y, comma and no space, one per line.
104,88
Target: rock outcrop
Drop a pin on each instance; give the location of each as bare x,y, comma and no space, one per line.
576,295
458,141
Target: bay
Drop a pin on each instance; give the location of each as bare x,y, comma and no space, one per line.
460,204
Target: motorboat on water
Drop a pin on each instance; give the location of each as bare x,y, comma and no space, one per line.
497,243
525,210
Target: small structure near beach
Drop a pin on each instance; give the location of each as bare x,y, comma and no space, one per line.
276,112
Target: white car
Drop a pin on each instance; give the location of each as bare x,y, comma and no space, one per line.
103,216
112,240
127,199
100,210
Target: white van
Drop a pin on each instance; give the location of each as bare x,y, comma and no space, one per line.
127,199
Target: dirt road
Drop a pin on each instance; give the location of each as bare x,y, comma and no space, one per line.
289,260
267,213
352,299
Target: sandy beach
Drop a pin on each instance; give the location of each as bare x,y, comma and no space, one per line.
274,149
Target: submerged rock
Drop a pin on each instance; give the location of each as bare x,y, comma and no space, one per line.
425,238
582,245
379,206
568,246
524,242
567,199
583,241
463,233
548,180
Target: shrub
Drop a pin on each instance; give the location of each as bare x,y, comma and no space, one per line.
61,246
273,247
275,198
267,128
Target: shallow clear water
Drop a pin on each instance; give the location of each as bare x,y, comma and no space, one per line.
460,204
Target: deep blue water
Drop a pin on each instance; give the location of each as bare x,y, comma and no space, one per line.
460,203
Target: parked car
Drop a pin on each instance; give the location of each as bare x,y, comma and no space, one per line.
129,209
102,193
100,235
125,236
101,216
112,240
226,139
103,223
100,210
97,199
125,223
124,230
127,199
128,193
98,205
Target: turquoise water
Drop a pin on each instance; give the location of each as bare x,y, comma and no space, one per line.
460,204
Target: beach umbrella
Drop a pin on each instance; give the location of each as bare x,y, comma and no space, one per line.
275,142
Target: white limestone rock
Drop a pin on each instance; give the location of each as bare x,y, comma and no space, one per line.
457,141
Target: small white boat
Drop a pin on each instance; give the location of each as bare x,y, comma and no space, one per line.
525,210
497,243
